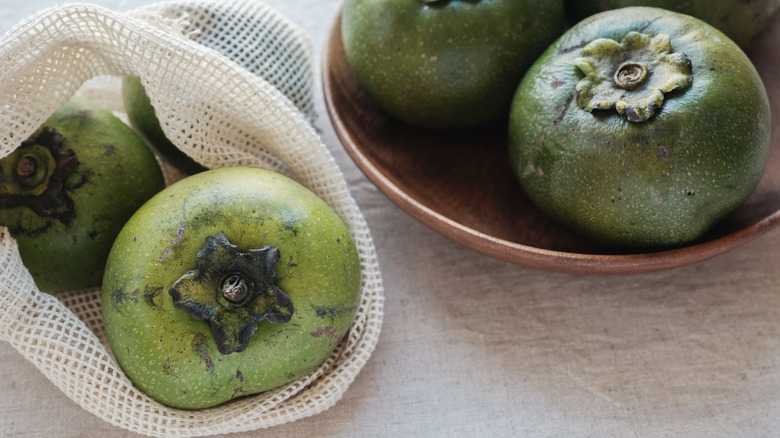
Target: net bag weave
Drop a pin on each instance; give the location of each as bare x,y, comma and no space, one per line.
187,54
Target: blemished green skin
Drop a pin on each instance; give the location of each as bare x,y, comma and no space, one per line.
738,19
447,63
173,357
116,173
658,183
143,117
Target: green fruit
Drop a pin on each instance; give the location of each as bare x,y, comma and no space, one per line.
142,117
228,283
67,191
640,127
446,63
740,20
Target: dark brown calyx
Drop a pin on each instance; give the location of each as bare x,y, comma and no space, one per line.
36,177
234,291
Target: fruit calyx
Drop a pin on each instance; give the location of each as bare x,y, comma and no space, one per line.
234,291
37,176
632,75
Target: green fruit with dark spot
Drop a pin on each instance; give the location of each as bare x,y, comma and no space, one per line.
446,63
228,283
640,127
740,20
67,191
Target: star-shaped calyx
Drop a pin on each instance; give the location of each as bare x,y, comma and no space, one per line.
34,175
234,291
632,75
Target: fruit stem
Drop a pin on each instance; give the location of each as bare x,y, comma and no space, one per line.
30,171
26,166
630,75
235,288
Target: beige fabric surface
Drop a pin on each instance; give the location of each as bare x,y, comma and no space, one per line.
479,347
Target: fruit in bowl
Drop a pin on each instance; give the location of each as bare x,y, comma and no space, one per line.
446,64
640,128
740,20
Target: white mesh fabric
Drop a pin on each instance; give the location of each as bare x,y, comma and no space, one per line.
247,38
220,114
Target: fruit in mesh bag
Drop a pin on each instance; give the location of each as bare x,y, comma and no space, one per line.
228,283
740,20
67,191
143,118
446,64
250,34
640,127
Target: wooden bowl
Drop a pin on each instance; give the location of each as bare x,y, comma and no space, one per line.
460,184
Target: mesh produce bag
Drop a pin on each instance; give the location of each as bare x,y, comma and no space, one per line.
187,55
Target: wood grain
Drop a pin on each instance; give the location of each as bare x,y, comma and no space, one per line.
459,184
